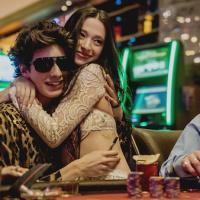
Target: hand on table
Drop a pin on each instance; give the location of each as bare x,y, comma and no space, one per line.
191,163
14,171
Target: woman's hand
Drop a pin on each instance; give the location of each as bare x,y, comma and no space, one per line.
111,92
112,97
94,164
25,91
98,163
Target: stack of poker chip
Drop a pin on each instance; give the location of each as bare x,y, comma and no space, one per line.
134,184
156,186
172,187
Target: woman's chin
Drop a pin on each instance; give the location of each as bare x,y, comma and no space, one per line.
80,61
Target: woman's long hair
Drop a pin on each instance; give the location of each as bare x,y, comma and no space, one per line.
109,58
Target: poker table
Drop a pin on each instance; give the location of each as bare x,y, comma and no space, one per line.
116,190
107,190
193,195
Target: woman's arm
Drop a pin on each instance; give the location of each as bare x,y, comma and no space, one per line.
85,93
93,164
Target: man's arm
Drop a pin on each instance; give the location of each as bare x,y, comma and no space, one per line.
187,144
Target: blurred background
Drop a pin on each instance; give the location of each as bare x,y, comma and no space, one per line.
158,40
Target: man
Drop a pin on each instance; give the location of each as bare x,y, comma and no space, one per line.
39,54
184,159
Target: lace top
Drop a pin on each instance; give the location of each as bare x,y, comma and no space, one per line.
97,120
87,90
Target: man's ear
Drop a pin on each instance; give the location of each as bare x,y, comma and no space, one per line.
24,70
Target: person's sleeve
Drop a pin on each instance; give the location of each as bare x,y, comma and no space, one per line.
188,142
9,126
87,90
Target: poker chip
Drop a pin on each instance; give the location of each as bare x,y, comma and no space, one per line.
172,187
134,184
156,186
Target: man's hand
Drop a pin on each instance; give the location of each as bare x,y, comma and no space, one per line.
15,171
98,163
25,91
191,163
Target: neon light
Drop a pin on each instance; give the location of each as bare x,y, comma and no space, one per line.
123,77
143,124
170,85
124,65
125,59
150,74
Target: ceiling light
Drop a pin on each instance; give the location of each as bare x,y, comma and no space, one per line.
63,8
68,3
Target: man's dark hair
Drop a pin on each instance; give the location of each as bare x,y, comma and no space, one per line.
37,36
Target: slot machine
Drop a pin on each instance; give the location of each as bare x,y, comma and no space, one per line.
155,74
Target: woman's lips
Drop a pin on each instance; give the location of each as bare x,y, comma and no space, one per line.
81,55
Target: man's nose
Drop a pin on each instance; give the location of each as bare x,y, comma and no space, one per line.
55,70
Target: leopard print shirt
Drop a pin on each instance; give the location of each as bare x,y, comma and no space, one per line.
19,144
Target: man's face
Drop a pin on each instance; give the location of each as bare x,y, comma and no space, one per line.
48,84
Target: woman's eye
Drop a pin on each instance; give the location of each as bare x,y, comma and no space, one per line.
82,35
98,42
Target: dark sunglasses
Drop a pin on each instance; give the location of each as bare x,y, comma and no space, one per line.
45,64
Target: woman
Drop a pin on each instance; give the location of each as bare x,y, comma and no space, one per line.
85,101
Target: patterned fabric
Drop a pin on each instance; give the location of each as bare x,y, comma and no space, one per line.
97,120
20,145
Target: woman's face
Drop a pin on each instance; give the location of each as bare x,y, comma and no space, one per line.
90,42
